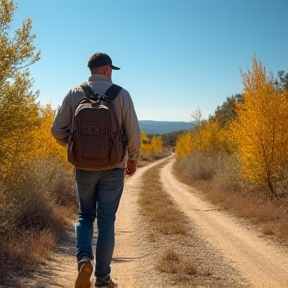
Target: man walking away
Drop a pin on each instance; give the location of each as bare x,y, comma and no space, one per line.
99,186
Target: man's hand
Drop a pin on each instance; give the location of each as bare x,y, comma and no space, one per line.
130,168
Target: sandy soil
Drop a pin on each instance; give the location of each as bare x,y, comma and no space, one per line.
235,255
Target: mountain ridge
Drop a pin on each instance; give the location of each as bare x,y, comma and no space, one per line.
163,127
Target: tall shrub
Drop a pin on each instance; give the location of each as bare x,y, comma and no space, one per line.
261,128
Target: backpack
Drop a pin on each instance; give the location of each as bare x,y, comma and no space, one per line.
96,141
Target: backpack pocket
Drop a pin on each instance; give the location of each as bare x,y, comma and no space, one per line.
92,149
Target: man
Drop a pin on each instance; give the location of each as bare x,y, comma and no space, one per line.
101,189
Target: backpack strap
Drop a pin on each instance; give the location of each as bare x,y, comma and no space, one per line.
87,90
112,92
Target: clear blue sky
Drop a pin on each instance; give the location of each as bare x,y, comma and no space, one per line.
175,55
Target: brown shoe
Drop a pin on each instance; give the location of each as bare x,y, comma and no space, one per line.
84,274
106,284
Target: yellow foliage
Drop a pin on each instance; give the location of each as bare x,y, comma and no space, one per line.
143,137
150,148
156,144
26,143
213,137
45,145
18,109
208,137
18,118
184,144
146,149
261,130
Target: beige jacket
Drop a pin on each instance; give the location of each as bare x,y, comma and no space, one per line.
124,108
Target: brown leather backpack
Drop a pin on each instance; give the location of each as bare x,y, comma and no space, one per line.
96,141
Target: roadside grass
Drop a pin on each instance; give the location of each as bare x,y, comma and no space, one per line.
157,205
218,177
35,210
173,263
165,219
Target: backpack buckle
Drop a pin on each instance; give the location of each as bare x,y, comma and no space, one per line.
95,97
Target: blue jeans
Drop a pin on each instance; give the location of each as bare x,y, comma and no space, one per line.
99,192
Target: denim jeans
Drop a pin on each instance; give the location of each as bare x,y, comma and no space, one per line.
99,192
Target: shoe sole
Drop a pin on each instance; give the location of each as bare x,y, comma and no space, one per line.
83,278
108,285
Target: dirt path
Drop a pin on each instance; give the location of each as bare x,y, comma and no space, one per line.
260,261
236,255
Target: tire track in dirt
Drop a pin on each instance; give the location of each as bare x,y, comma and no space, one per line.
260,261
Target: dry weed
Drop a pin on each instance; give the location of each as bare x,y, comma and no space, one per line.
173,263
34,214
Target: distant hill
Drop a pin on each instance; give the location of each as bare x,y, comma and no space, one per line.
163,127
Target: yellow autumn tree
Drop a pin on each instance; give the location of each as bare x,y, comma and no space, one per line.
184,144
150,147
209,136
212,137
143,137
156,144
261,128
145,145
31,190
45,146
18,109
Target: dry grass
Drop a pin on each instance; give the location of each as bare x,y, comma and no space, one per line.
173,263
165,219
228,189
34,213
157,205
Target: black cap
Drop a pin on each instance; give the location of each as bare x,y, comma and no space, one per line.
100,59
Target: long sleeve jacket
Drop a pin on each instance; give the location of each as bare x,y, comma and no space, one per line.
124,108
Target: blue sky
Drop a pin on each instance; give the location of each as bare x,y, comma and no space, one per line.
175,55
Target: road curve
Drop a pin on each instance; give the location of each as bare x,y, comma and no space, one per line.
260,261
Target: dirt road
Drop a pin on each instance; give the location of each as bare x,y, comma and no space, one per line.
235,253
261,262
